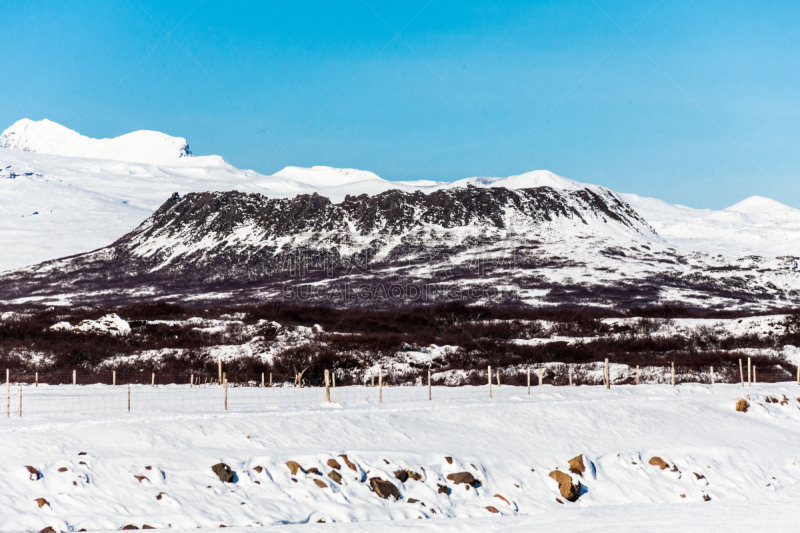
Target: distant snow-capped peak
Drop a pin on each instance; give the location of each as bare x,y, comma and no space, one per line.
48,137
528,180
326,176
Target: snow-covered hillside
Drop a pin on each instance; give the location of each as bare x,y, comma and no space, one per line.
754,226
62,193
652,457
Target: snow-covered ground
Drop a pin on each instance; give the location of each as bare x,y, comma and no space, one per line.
106,468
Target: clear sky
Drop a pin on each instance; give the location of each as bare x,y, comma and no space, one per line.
692,102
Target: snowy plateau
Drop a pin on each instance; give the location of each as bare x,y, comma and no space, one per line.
596,376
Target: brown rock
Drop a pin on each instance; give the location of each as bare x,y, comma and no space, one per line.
384,488
502,498
443,489
659,462
491,509
148,467
258,468
416,476
743,405
129,526
294,467
402,475
351,465
461,477
449,460
41,502
140,478
321,484
333,463
313,470
48,529
706,497
576,465
336,476
34,473
223,472
145,526
569,490
698,476
412,500
63,469
160,495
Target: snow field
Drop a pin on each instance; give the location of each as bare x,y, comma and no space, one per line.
726,469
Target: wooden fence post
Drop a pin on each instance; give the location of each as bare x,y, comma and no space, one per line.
225,384
153,380
380,384
37,379
8,399
607,375
540,373
262,380
741,372
327,386
114,377
270,379
219,369
129,398
490,380
529,381
74,377
20,401
429,384
673,373
333,379
570,375
712,375
749,373
637,374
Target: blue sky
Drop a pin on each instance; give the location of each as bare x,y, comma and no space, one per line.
692,102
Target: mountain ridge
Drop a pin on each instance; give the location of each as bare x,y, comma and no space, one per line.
53,205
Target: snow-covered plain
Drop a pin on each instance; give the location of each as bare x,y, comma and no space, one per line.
62,193
727,470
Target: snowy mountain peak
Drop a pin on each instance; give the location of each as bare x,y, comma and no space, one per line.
48,137
322,176
759,205
532,179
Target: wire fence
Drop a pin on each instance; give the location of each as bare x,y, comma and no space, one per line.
74,394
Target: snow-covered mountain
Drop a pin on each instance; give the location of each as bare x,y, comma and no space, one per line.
47,137
56,201
754,226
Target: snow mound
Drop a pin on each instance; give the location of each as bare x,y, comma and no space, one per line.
109,325
47,137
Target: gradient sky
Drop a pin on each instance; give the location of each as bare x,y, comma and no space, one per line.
692,102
